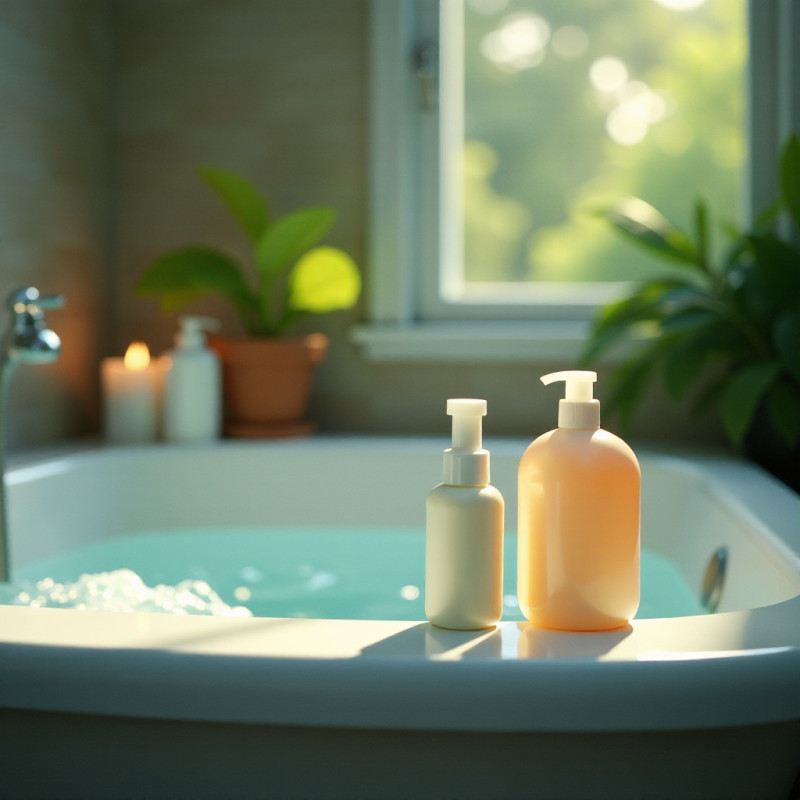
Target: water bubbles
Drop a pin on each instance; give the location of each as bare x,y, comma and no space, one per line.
251,575
121,590
410,592
321,580
242,593
510,601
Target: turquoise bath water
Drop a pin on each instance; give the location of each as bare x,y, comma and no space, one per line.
320,572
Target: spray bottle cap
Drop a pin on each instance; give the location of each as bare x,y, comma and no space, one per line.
191,335
578,409
466,463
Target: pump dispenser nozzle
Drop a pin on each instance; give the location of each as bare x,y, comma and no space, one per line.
191,335
466,463
578,409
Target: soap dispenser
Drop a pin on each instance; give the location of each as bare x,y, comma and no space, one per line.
192,385
464,531
578,537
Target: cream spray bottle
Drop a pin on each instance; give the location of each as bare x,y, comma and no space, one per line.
578,545
464,538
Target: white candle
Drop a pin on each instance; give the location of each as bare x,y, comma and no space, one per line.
131,396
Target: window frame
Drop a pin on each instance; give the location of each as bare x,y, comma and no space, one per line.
405,320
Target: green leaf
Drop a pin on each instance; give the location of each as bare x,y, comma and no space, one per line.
789,177
733,254
709,394
687,354
685,296
173,302
778,267
241,198
324,279
742,396
749,302
647,226
615,320
649,303
290,237
628,384
189,273
786,338
628,310
683,363
783,407
688,319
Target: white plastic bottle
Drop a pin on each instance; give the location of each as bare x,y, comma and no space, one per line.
578,549
464,537
193,385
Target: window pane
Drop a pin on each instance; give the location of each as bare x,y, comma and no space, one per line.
576,103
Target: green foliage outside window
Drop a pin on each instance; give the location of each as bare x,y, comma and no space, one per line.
539,157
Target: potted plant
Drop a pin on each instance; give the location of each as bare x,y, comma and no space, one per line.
267,374
728,333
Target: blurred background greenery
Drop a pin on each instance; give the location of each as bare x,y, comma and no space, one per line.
571,105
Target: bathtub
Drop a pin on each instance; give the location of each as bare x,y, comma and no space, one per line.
96,704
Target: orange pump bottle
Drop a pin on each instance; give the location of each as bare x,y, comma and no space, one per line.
579,499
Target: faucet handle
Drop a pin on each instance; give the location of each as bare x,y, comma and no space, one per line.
46,301
29,301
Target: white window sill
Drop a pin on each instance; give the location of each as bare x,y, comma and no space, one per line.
470,342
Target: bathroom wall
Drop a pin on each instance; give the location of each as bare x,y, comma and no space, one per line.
92,190
54,163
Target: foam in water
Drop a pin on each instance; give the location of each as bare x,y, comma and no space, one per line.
120,590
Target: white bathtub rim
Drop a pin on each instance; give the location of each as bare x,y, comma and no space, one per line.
136,675
550,696
225,671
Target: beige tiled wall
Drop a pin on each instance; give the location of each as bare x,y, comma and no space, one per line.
53,199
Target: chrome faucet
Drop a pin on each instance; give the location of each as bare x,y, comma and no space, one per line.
27,341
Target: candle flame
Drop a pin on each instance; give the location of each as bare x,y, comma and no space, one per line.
137,356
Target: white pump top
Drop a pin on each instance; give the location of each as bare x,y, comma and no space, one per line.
466,463
578,409
191,335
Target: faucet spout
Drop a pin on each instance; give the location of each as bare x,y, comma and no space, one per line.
27,341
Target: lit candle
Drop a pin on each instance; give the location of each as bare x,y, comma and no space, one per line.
131,395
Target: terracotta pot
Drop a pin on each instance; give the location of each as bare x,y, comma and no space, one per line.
266,383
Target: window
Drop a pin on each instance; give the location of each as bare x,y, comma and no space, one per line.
488,159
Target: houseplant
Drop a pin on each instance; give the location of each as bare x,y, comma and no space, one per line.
728,333
267,374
